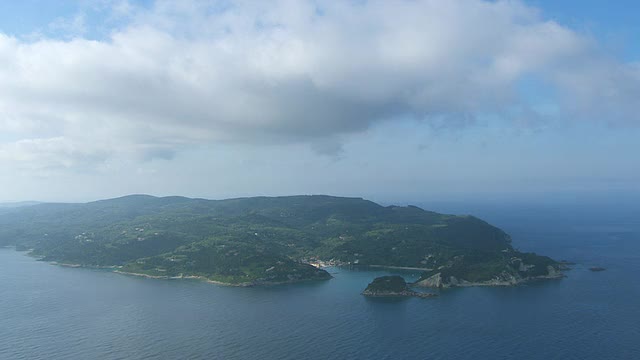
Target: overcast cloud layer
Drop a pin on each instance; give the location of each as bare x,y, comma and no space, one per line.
188,73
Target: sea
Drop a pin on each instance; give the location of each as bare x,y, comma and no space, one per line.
54,312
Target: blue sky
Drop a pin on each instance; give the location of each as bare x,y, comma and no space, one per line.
393,101
611,22
608,20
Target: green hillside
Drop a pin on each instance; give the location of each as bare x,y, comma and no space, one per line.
259,239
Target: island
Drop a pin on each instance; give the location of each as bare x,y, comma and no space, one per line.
392,286
597,268
269,240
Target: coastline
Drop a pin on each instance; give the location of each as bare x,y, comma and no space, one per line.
216,282
507,283
403,294
332,263
114,268
73,265
420,283
438,283
184,277
161,277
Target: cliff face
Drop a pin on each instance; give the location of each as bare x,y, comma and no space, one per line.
438,281
391,286
433,281
509,277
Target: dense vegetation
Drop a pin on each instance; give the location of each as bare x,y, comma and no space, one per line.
485,266
387,284
260,239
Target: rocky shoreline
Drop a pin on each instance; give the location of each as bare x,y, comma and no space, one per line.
216,282
185,277
406,293
392,287
72,265
505,279
434,281
115,268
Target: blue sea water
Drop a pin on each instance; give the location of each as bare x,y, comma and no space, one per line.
52,312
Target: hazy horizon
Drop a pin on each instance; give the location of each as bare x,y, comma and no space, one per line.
394,102
461,202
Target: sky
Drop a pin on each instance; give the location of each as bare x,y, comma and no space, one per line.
394,101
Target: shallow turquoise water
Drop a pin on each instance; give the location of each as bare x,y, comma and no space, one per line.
51,312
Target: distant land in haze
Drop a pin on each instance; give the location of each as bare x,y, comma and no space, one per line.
269,240
17,204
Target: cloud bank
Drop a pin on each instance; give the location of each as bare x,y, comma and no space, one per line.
182,74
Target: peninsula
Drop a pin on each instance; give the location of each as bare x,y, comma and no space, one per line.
269,240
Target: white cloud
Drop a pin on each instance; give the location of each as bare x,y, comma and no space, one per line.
188,73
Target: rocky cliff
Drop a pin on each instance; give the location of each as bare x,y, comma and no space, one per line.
392,286
514,273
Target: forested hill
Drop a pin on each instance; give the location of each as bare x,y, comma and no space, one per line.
247,239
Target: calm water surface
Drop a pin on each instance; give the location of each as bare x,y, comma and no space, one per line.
51,312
